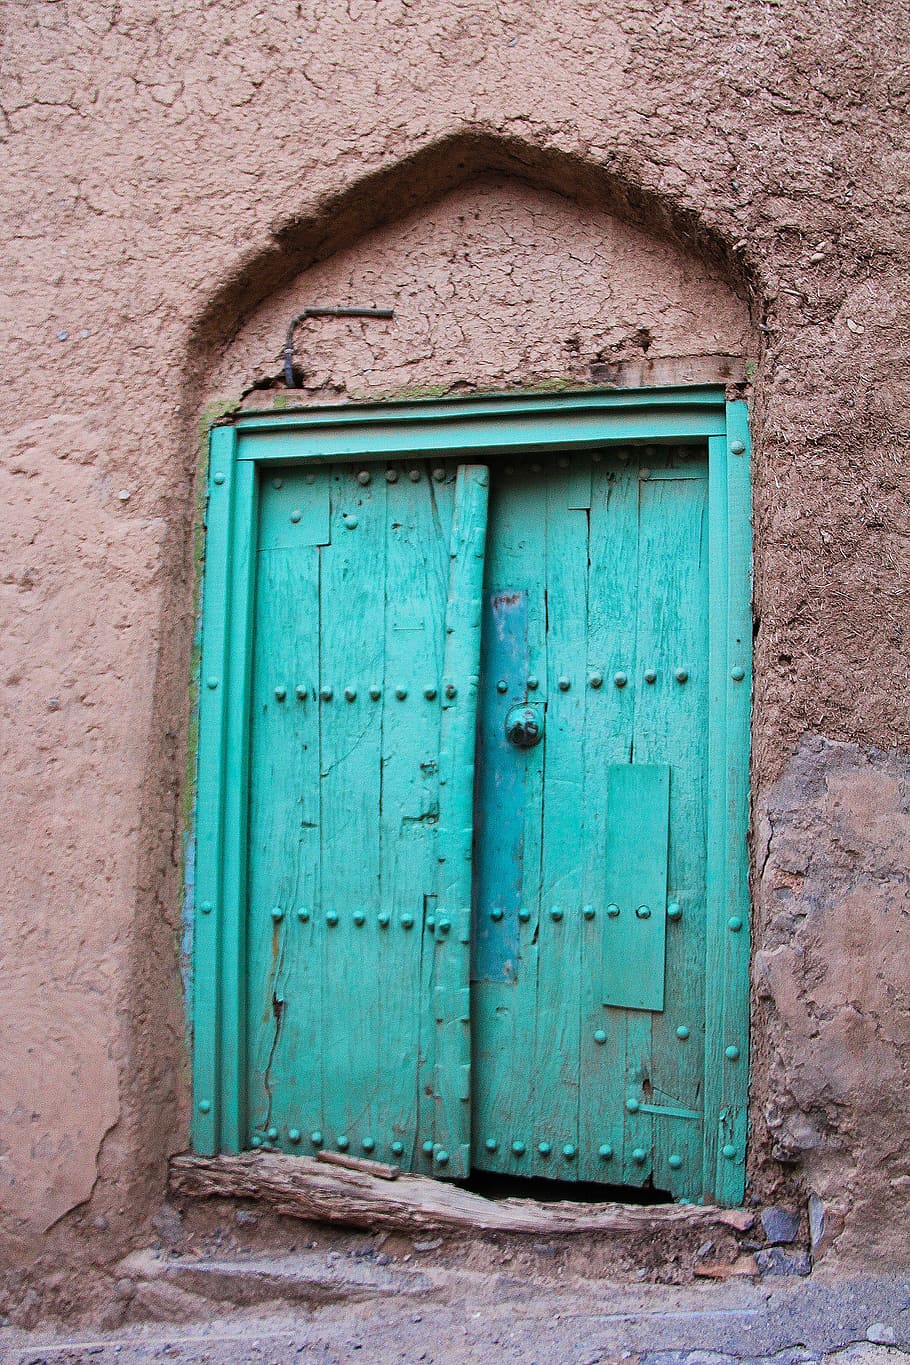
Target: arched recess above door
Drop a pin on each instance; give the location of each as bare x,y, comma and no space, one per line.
507,266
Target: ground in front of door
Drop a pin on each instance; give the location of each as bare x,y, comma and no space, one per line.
360,1305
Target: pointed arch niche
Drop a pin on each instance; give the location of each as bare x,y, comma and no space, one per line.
496,282
508,287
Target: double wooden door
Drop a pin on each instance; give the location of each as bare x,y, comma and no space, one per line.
478,805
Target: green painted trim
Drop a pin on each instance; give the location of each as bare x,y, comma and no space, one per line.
727,956
482,426
210,852
735,1092
234,917
488,407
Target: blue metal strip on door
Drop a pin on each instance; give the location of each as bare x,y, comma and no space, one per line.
499,801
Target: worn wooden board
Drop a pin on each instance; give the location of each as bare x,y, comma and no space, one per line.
675,728
300,1187
612,625
556,1060
411,629
452,950
350,774
503,1012
285,1017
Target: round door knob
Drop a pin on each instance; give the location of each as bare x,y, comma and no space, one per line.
524,726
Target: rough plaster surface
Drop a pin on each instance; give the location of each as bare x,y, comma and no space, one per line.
494,285
166,170
832,983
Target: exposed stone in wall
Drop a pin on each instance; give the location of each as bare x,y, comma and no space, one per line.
832,986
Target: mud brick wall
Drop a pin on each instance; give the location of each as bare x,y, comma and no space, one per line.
559,192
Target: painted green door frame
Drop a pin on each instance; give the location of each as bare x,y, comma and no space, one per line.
471,429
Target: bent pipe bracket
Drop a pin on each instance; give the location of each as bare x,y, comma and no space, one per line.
385,313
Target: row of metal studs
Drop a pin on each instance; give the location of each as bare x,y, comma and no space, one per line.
365,476
326,693
316,1138
383,918
391,473
734,923
589,912
595,681
441,1156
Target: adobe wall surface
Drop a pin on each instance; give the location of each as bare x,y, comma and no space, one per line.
550,192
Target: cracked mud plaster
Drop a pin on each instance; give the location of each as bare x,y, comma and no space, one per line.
832,988
165,171
496,285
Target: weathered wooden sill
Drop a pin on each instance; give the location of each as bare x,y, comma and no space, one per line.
300,1187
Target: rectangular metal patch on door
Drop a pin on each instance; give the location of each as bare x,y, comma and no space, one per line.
635,910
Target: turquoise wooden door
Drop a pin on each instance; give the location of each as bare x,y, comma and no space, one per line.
550,978
509,965
364,680
589,949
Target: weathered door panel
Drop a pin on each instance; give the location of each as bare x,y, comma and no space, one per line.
452,947
504,1009
353,587
671,726
612,630
616,557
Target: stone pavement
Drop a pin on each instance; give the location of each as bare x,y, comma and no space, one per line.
331,1308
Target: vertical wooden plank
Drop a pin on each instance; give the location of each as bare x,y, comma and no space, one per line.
416,584
352,609
284,1013
443,475
451,994
609,716
735,1039
638,1148
674,726
556,1062
296,1070
503,1013
210,795
234,900
717,911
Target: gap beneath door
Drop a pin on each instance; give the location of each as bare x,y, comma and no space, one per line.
491,1185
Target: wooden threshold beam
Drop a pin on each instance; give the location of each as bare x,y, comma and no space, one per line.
300,1187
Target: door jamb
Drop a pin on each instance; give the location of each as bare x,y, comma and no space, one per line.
468,426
